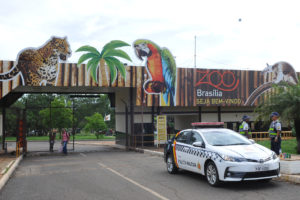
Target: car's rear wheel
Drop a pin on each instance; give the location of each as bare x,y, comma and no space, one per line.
171,166
211,173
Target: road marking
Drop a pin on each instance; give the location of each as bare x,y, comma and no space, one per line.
134,182
37,172
82,154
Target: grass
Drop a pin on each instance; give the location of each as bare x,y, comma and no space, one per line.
77,137
287,146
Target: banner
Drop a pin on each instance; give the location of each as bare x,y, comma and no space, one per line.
214,87
161,129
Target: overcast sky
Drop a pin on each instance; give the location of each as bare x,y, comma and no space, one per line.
269,31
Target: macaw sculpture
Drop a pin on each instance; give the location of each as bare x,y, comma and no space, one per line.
161,67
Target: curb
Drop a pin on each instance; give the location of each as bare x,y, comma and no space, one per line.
289,178
8,174
149,152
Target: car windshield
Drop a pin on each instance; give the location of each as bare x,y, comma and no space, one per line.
224,137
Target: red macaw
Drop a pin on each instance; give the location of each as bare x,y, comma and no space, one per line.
161,67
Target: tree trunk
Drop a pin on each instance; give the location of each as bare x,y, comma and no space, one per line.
297,129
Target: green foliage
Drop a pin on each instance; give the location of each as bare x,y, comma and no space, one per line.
285,100
108,54
88,106
95,123
59,115
113,45
77,137
11,118
89,49
40,124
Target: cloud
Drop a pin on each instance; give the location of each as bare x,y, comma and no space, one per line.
268,31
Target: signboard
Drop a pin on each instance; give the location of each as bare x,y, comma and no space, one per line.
159,83
212,87
161,129
164,84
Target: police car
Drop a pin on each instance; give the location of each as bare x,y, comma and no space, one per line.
220,154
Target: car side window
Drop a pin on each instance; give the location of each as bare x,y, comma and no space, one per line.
183,137
195,137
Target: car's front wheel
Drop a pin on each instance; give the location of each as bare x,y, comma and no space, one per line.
211,173
171,166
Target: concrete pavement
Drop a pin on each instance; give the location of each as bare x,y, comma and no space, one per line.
84,146
117,174
9,162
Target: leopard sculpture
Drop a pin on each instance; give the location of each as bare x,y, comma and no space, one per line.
40,66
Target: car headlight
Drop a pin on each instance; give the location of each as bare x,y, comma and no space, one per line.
233,159
274,156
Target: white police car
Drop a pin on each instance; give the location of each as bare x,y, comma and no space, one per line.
220,154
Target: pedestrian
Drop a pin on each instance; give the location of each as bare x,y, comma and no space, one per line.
275,133
65,139
52,136
244,128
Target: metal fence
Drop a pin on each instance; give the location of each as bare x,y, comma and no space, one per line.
259,136
151,139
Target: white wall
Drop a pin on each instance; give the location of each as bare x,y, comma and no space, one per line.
184,121
121,94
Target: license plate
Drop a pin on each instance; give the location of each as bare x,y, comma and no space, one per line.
262,168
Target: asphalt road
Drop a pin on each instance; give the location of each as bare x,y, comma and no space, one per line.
116,174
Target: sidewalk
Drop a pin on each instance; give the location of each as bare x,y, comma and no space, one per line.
8,164
5,162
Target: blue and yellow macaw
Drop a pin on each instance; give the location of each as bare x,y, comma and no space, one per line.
161,67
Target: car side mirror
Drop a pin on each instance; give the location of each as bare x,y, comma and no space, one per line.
252,141
199,144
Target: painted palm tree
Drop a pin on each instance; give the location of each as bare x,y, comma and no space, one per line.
107,55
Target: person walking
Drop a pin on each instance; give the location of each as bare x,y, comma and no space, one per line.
275,133
52,136
65,139
244,128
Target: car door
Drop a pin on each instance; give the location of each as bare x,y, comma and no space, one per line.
181,148
196,156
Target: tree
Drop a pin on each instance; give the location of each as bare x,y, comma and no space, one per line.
11,118
286,101
34,103
88,106
61,114
107,55
95,123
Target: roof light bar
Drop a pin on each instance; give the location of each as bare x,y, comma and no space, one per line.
207,124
